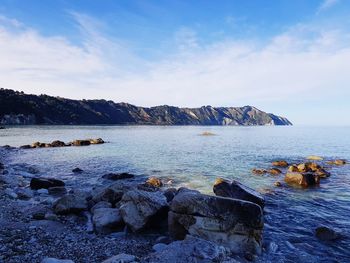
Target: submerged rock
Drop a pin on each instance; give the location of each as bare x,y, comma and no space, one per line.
38,183
71,203
337,162
274,171
237,190
280,163
80,143
259,171
118,176
293,168
77,170
96,141
137,207
154,181
278,184
106,220
326,234
233,223
314,158
57,144
302,179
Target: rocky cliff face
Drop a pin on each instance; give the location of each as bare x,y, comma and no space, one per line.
19,108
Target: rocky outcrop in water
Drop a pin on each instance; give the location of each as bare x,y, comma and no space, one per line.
20,108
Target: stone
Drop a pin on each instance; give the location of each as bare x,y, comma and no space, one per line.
159,247
51,216
118,176
2,167
38,145
38,183
96,141
233,223
57,190
107,220
39,215
337,162
137,207
27,146
192,249
322,173
302,179
57,144
274,171
24,194
164,240
314,158
170,194
121,258
278,184
43,191
237,190
293,168
259,171
55,260
326,234
280,163
112,193
154,181
10,193
80,143
101,204
77,170
70,204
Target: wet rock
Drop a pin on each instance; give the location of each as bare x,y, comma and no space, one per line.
322,173
259,171
27,146
280,163
302,179
57,190
170,194
154,181
24,194
43,191
232,223
96,141
38,145
77,170
326,234
102,204
55,260
112,193
189,250
121,258
237,190
107,220
57,144
206,133
137,207
293,168
314,158
278,184
117,176
71,203
337,162
80,143
164,240
38,183
274,171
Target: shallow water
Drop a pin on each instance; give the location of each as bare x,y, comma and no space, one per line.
183,156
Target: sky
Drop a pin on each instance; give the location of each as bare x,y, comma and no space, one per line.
291,58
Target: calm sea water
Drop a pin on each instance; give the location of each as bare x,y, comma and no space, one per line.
180,154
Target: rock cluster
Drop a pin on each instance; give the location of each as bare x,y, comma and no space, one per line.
58,143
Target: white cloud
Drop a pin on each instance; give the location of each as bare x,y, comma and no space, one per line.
326,4
303,64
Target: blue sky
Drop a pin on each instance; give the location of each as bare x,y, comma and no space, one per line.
287,57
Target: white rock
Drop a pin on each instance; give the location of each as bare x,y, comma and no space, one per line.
105,220
43,191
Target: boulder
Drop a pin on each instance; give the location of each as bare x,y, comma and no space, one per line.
237,190
24,194
154,181
80,143
302,179
112,193
233,223
96,141
293,168
71,203
337,162
102,204
121,258
314,158
280,163
55,260
170,194
107,220
274,171
38,145
77,170
27,146
138,207
57,190
191,249
259,171
326,234
39,183
117,176
57,144
278,184
322,173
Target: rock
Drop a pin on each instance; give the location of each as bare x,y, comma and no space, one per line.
106,220
326,234
322,173
137,207
24,194
39,215
38,183
55,260
233,223
164,240
118,176
154,181
159,247
121,258
314,158
259,171
280,163
77,170
80,143
274,171
102,204
337,162
293,168
38,145
194,250
170,194
51,216
96,141
206,133
27,146
57,190
2,167
57,144
237,190
302,179
112,193
10,193
70,204
43,191
278,184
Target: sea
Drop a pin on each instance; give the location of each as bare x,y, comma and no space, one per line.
183,156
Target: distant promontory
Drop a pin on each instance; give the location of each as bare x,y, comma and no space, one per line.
24,109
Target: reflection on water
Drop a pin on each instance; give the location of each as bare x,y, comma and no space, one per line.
189,159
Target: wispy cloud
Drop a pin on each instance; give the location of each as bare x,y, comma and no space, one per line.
302,64
326,4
